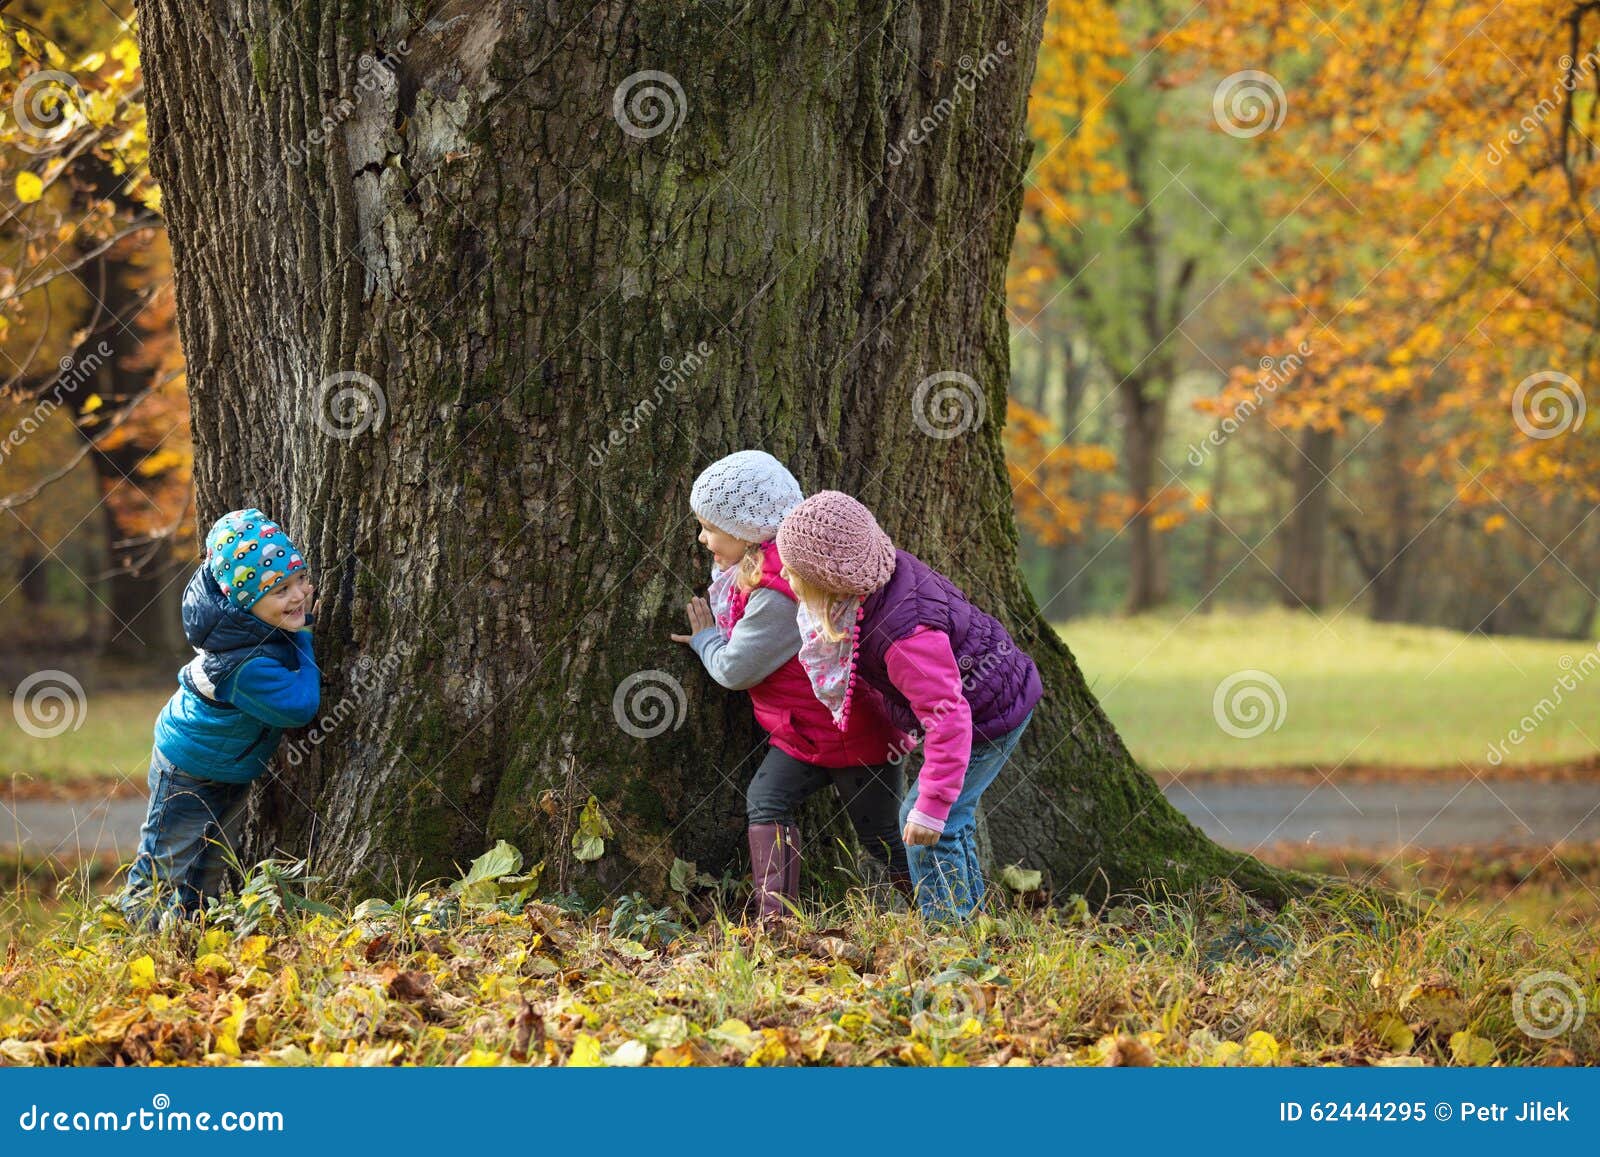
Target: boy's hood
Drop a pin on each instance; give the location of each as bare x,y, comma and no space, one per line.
212,623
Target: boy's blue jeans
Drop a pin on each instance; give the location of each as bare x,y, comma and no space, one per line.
946,877
180,861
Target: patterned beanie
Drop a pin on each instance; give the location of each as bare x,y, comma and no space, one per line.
745,494
248,555
831,541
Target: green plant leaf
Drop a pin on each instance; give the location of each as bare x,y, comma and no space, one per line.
589,841
1020,879
501,860
683,876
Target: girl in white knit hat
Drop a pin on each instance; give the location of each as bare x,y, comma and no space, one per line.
746,634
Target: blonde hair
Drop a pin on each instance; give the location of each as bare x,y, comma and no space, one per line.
822,604
751,568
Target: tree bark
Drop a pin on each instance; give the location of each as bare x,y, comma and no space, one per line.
1211,552
1303,570
1064,597
521,277
1144,431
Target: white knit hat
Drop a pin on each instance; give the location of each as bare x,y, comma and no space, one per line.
745,494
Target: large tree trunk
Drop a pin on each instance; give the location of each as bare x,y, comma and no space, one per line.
567,319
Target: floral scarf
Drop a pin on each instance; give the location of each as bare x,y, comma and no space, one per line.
726,598
828,664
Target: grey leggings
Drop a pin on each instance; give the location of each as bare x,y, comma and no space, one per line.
871,797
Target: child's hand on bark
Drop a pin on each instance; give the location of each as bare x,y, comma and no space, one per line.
699,619
915,833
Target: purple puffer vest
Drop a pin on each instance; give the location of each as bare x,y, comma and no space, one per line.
1001,683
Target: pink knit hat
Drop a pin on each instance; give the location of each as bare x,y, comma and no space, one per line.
831,541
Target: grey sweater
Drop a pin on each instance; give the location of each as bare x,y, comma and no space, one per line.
766,637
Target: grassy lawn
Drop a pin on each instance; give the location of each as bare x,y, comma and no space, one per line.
1354,691
114,739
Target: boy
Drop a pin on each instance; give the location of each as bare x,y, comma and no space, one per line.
247,612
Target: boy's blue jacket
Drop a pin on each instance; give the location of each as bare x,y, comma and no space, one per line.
246,683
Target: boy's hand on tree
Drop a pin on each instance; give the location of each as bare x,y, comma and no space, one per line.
915,833
699,619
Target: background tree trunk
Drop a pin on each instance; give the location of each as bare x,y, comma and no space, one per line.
1304,566
563,321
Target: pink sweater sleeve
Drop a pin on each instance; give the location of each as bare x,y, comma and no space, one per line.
923,669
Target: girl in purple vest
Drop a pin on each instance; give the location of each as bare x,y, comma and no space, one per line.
745,634
879,625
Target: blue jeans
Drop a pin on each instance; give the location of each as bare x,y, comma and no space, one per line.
180,861
946,877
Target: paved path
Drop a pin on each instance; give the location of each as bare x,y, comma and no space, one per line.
1382,814
71,829
1393,814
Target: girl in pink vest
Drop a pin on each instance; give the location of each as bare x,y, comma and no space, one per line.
745,632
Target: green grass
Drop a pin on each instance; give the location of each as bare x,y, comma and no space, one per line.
1355,692
113,740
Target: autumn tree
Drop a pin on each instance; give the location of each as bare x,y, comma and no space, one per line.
469,293
85,301
1440,166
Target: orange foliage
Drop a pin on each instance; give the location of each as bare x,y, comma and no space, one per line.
1436,173
1043,467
